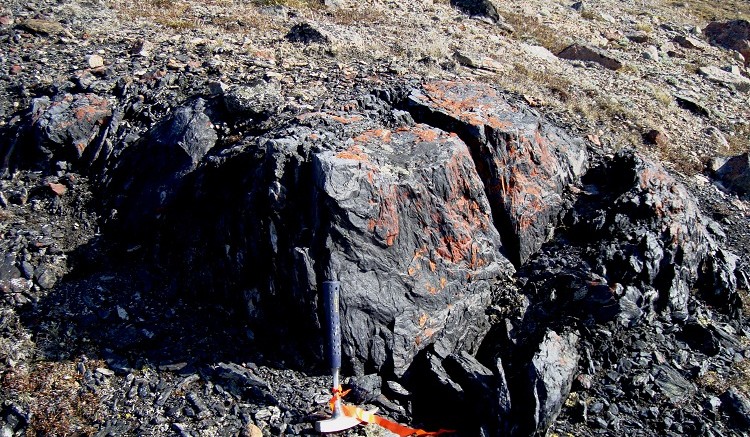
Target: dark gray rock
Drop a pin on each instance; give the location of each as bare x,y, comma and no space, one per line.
480,8
551,374
487,398
46,276
400,217
700,337
364,389
672,384
578,52
148,174
305,33
732,35
242,376
737,405
734,174
650,233
525,163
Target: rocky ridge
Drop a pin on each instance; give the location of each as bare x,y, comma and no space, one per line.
502,275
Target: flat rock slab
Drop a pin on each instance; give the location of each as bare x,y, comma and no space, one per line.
578,52
716,74
525,163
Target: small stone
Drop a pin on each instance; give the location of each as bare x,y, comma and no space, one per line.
688,42
397,388
104,371
174,64
121,313
44,27
141,48
651,53
639,37
94,61
45,276
16,69
58,189
251,430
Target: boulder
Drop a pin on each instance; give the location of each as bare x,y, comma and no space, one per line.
734,174
306,33
478,8
398,215
732,35
579,52
145,178
65,127
525,163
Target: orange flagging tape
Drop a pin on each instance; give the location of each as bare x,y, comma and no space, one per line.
368,417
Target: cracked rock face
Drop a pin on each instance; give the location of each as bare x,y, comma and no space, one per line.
526,164
418,220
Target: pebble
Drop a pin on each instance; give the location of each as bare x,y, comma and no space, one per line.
94,61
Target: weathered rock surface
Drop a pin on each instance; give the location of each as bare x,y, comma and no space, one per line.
399,216
66,127
525,163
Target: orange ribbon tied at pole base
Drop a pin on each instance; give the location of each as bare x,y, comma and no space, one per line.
369,417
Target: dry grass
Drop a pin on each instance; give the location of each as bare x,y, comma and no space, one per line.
739,139
59,405
711,10
360,17
531,30
520,77
174,14
181,15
